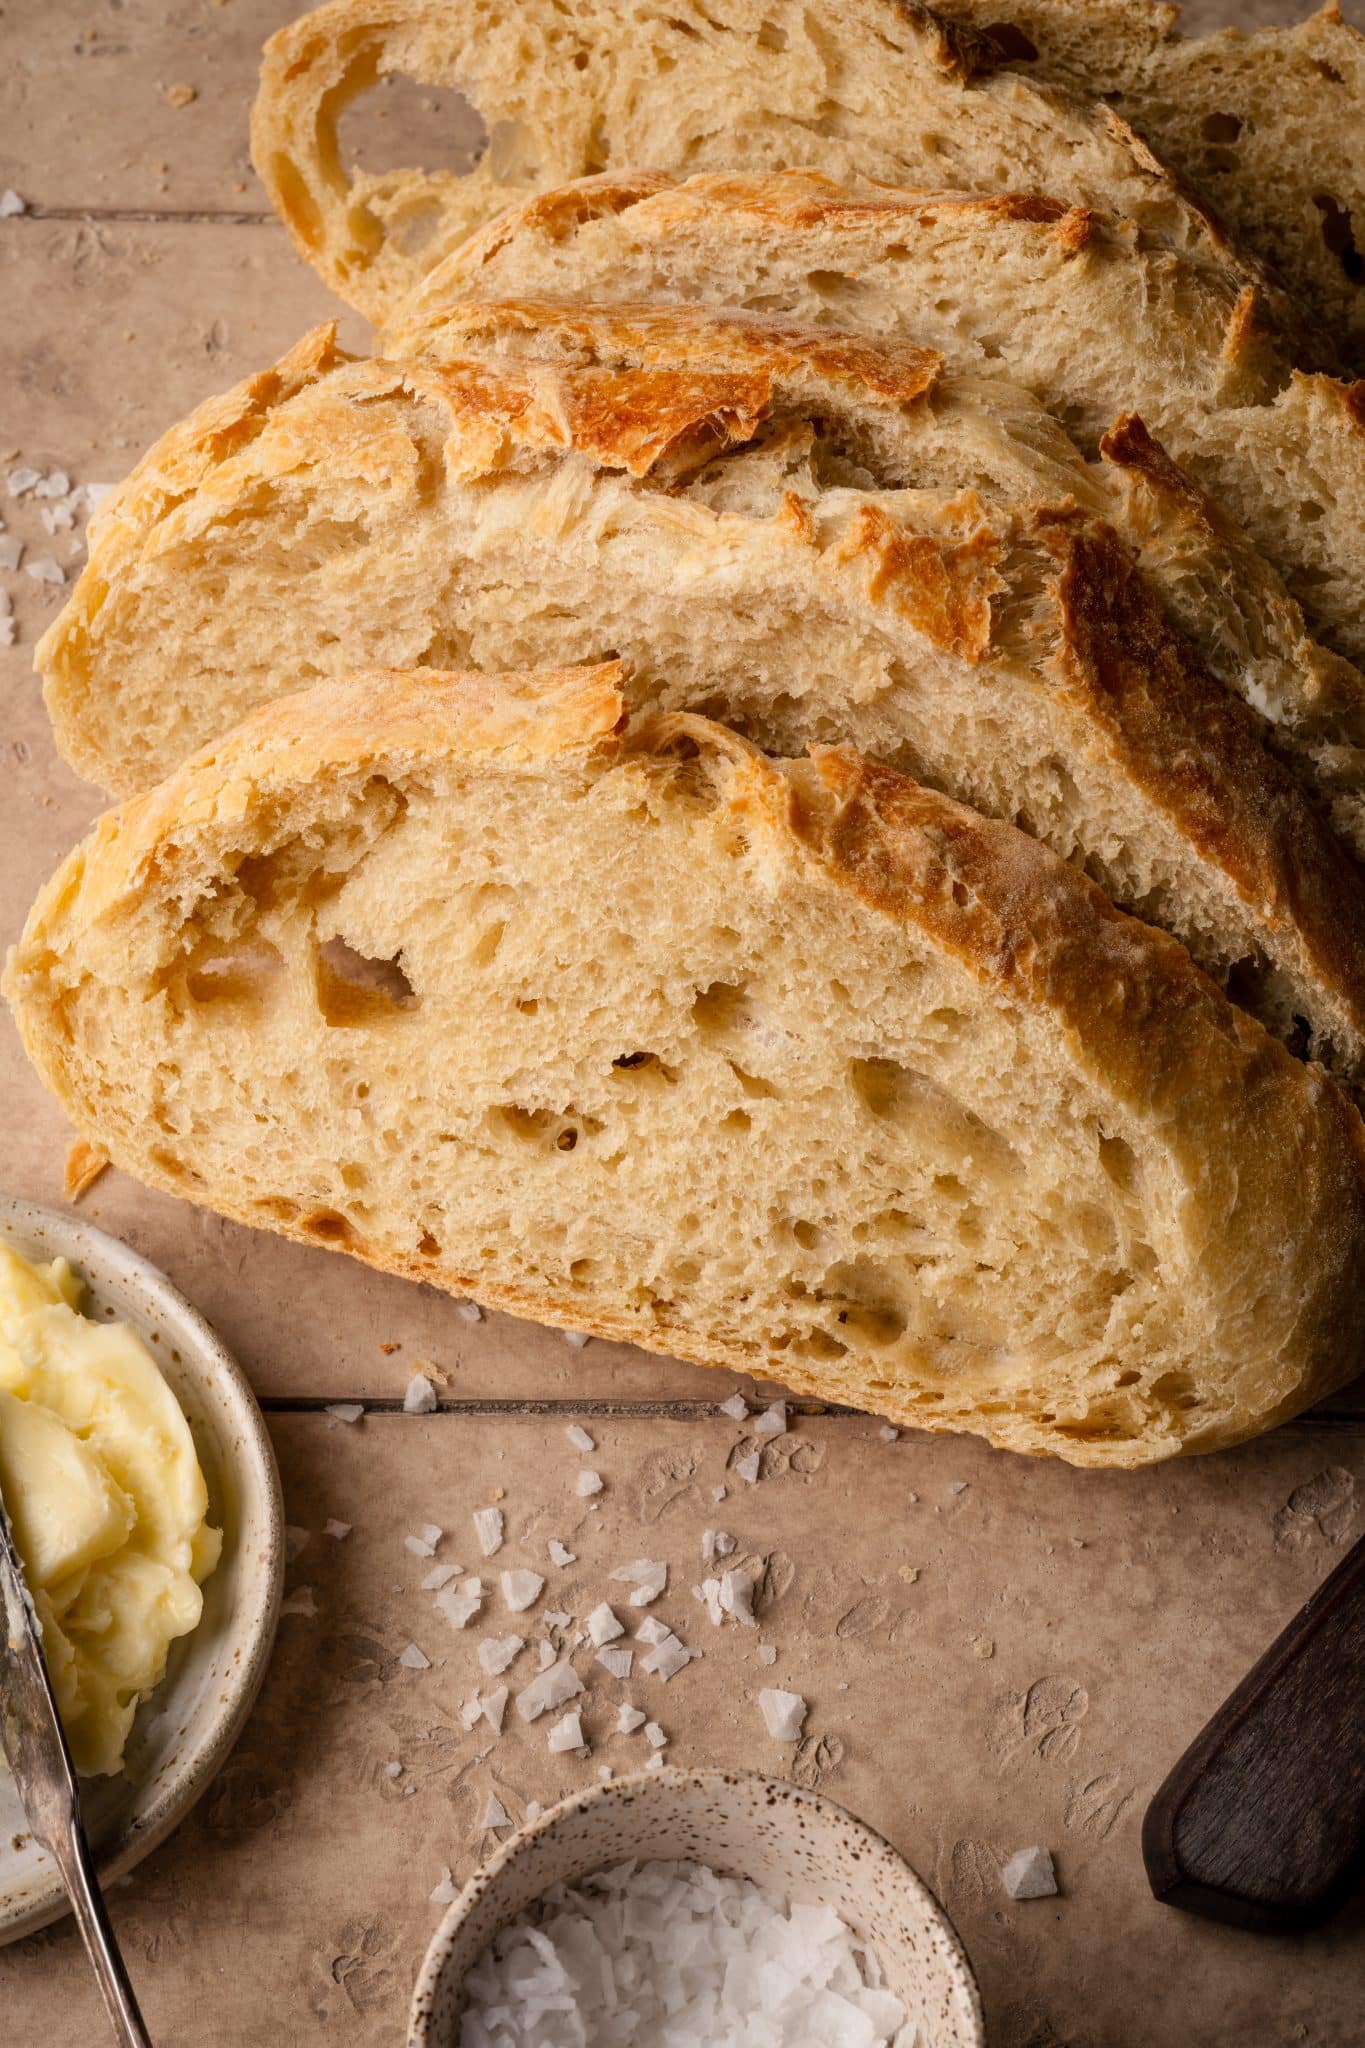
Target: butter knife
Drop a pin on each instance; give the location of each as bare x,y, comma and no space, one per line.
33,1740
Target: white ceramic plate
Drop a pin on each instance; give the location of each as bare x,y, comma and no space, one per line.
184,1730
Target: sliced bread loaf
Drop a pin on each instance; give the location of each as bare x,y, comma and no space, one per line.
1091,315
1267,126
813,536
791,1067
861,89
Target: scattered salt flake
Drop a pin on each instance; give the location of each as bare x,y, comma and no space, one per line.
579,1438
393,1770
555,1617
20,481
471,1712
522,1589
602,1625
767,1653
300,1601
737,1407
497,1652
419,1397
1029,1874
588,1483
295,1542
715,1543
11,203
493,1706
737,1597
11,551
95,494
747,1468
459,1604
629,1718
648,1575
718,1493
545,1656
616,1661
413,1660
567,1733
424,1543
709,1593
668,1658
43,569
559,1554
783,1712
488,1529
958,1486
549,1689
887,1434
495,1814
440,1575
346,1411
338,1531
56,484
654,1735
534,1809
773,1420
444,1891
578,1338
469,1311
656,1763
605,1773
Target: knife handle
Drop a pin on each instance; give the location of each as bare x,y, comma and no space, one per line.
1261,1824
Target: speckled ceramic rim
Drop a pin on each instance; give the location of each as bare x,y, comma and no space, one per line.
246,1468
709,1783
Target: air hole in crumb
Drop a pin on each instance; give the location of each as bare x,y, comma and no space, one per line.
1339,236
278,1206
527,1005
770,36
819,1344
1220,127
721,1006
1119,1162
581,1271
355,991
232,974
806,1234
738,1120
429,1246
566,1140
174,1168
1127,1379
381,128
484,950
1010,43
754,1086
633,1059
327,1224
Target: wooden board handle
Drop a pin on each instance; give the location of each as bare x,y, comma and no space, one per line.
1261,1824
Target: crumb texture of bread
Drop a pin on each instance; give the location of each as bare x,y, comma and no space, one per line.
1093,317
819,1075
809,536
1266,126
865,89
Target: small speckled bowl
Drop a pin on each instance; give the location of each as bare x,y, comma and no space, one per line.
775,1833
184,1730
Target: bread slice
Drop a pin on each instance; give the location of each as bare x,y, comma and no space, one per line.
786,1066
1091,315
1267,126
859,89
815,537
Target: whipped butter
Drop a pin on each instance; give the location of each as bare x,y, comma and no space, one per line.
106,1500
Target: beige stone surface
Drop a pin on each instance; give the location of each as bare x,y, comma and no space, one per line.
1118,1610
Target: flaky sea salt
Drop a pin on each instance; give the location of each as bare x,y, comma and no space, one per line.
772,1422
652,1630
488,1530
545,1656
495,1814
440,1575
522,1589
577,1338
579,1438
497,1652
459,1604
783,1712
649,1577
469,1311
675,1956
616,1660
887,1434
654,1735
445,1891
667,1658
549,1689
737,1407
629,1719
424,1542
602,1625
560,1554
419,1396
588,1483
493,1706
345,1411
747,1468
567,1733
338,1531
412,1659
1029,1874
767,1653
715,1543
